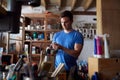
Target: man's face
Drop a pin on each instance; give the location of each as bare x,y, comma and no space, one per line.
66,23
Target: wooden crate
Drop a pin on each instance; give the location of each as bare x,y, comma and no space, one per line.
106,68
61,76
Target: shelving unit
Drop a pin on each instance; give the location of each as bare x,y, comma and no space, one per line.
39,43
44,36
15,41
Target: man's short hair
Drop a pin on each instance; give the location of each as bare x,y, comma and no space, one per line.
67,14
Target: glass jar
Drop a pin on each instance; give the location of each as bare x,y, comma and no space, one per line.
35,36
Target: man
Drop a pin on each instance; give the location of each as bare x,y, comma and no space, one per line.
67,42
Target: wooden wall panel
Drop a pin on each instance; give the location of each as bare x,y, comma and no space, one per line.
108,21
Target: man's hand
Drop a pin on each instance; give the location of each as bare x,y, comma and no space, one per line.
56,46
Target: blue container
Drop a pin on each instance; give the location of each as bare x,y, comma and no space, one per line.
41,36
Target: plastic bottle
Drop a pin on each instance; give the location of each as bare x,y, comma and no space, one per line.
10,72
106,48
95,47
1,51
99,47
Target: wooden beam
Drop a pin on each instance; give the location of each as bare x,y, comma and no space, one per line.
86,3
2,11
99,16
4,3
44,3
73,4
54,3
84,13
60,2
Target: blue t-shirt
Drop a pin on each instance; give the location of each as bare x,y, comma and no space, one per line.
68,40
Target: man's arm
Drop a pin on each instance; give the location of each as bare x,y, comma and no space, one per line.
76,52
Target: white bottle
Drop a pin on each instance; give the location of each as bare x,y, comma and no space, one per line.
10,72
1,51
106,48
26,48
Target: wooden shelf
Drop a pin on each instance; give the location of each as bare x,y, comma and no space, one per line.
38,41
50,30
15,39
39,15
